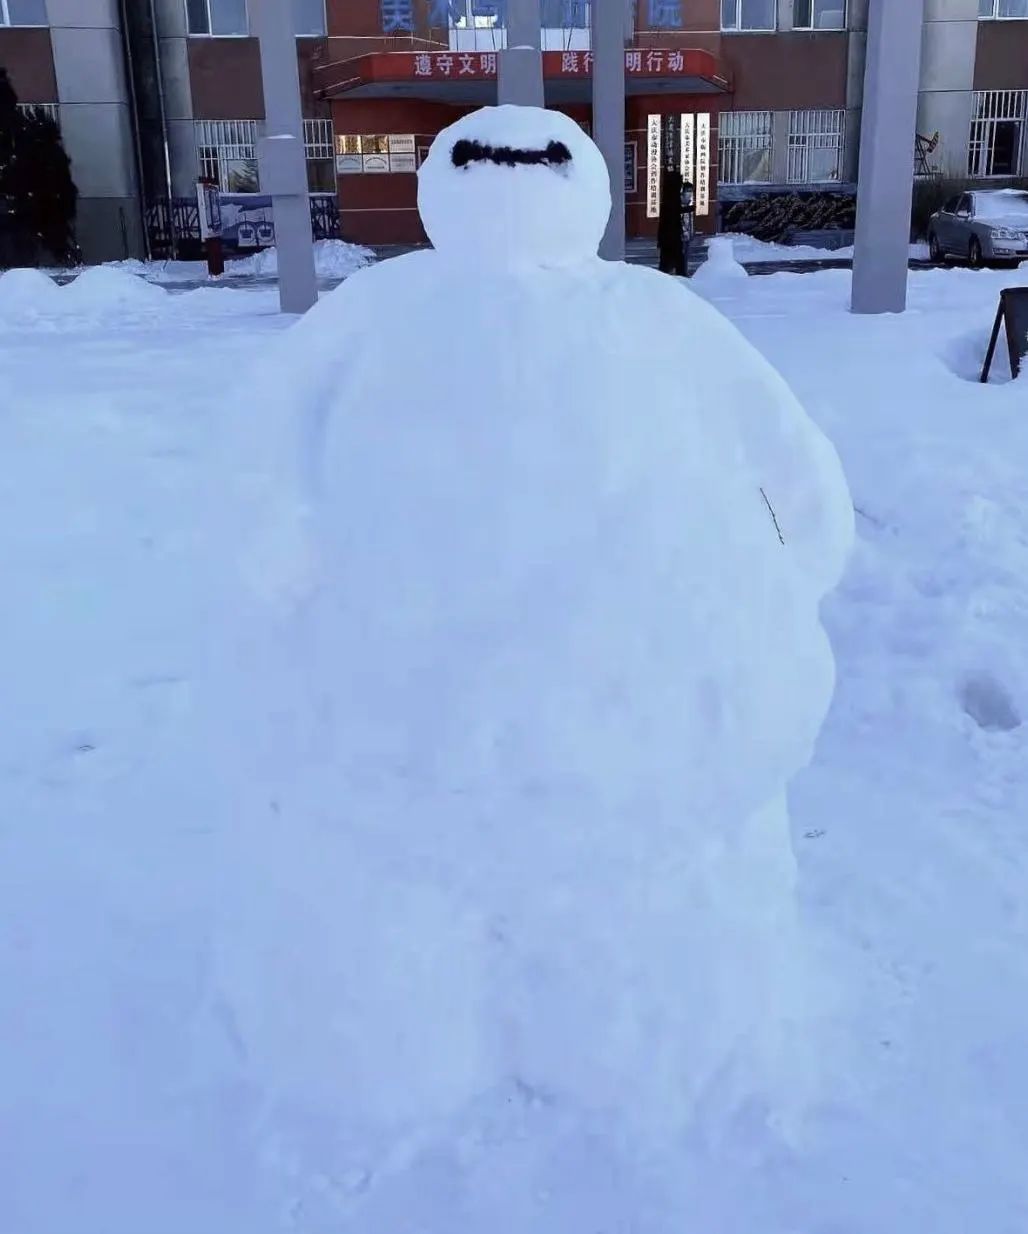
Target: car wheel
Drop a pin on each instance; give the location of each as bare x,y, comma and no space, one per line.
935,249
974,253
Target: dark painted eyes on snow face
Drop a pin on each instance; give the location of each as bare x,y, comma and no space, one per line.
465,153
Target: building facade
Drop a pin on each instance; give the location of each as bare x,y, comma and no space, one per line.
152,94
758,98
67,56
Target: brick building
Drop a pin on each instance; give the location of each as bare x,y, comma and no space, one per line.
761,96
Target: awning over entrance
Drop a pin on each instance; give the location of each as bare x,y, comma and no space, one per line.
470,77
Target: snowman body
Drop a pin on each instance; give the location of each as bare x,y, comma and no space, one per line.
530,866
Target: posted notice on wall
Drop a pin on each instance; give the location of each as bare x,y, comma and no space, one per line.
688,148
653,167
703,163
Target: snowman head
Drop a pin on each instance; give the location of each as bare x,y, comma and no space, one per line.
514,186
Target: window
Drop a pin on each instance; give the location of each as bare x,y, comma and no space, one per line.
748,14
309,19
229,17
376,154
319,146
1003,8
227,154
815,146
566,14
819,15
23,13
50,110
744,146
997,141
217,17
486,14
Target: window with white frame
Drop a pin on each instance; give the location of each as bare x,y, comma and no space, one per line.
223,17
819,15
480,25
50,110
229,17
997,141
745,143
566,14
226,152
999,9
23,13
375,153
319,146
815,146
749,14
309,18
489,14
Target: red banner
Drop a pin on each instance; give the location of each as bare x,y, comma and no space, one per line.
446,66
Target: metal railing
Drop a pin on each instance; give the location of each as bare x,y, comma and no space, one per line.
185,221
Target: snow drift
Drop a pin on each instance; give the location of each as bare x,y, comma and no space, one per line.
26,291
333,259
102,288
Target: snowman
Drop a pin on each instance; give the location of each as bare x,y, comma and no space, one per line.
509,923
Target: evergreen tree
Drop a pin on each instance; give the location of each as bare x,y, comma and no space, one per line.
9,119
37,193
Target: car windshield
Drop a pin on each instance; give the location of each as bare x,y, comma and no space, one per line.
1004,204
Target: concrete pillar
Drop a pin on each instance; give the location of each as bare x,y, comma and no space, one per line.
780,121
856,62
610,22
173,50
97,127
785,15
887,156
283,165
520,68
948,52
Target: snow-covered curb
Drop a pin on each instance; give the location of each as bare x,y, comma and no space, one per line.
752,251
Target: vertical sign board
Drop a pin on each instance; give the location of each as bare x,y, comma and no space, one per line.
688,156
653,168
703,163
1012,312
208,202
630,167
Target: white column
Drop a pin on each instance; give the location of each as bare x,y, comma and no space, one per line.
520,68
610,20
886,171
283,165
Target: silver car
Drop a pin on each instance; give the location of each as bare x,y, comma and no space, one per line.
986,225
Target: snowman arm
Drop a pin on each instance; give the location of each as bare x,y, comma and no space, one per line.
798,470
793,462
279,557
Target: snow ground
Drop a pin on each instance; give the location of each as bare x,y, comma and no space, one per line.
909,826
